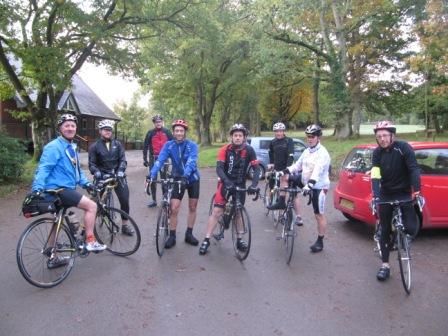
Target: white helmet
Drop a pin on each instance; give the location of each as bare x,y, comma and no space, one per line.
279,127
106,123
67,117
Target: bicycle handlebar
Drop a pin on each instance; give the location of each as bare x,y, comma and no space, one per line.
419,199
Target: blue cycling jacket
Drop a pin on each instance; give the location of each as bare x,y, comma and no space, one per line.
59,167
184,157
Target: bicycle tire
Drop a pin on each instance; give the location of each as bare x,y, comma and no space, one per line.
162,230
244,232
108,231
267,197
32,254
288,236
275,213
404,260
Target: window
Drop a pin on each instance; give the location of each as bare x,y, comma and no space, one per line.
432,161
359,160
84,123
264,144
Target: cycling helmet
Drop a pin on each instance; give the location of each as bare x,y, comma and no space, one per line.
67,117
313,130
106,123
385,125
279,127
238,127
180,122
157,117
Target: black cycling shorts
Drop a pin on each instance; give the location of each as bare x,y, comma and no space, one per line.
70,198
192,188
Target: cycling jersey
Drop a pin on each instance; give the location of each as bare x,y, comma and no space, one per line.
154,141
281,153
314,163
59,167
184,157
233,163
395,168
107,161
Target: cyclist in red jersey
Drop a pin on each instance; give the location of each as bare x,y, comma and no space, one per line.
154,141
231,167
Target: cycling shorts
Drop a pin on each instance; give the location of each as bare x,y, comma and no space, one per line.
70,198
318,200
192,189
221,193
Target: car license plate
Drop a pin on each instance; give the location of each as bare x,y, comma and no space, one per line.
346,204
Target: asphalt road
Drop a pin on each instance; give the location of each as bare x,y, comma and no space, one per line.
331,293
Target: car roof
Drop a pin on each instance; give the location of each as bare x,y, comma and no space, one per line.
414,144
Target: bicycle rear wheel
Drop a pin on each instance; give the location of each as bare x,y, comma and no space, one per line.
241,230
288,235
109,230
34,252
162,230
404,260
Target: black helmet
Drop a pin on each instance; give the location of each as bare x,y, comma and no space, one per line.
313,130
238,127
157,117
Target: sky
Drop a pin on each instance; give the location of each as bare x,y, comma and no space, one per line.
111,89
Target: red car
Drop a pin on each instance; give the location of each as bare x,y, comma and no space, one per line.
352,194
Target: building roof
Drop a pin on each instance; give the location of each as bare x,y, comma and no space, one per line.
81,100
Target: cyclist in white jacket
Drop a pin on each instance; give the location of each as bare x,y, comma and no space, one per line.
314,168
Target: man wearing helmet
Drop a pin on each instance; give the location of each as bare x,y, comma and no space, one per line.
314,166
154,141
231,167
395,175
59,167
281,155
107,157
184,156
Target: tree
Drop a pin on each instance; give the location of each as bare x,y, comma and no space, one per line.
43,44
133,119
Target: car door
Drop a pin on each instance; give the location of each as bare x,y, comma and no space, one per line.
433,163
299,147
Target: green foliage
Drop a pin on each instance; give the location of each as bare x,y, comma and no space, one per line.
133,119
12,158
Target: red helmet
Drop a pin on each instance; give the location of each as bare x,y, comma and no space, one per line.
179,122
385,125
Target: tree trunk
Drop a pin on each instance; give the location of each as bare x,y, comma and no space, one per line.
316,85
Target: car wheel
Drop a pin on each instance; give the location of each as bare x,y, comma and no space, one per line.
250,172
351,218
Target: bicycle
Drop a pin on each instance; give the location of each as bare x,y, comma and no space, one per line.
109,221
400,238
163,218
271,196
236,214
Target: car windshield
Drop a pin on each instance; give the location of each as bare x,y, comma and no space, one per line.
432,161
358,160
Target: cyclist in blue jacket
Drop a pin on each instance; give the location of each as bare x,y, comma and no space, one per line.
184,156
59,167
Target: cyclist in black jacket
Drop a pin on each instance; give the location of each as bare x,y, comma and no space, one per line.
395,175
154,141
107,157
281,155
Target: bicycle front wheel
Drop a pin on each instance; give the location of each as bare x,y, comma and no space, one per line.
288,235
109,231
241,233
404,260
162,230
37,249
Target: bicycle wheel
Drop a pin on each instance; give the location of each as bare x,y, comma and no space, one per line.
288,236
241,230
404,260
34,252
267,197
108,230
162,230
275,213
376,239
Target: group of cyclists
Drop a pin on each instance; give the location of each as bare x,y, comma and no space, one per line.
395,176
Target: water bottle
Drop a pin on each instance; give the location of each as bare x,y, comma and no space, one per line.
227,215
73,222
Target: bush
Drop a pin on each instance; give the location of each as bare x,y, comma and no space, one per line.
12,158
